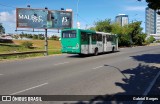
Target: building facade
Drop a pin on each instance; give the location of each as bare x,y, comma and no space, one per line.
158,24
152,22
122,19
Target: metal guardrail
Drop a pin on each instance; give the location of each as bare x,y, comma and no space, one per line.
21,53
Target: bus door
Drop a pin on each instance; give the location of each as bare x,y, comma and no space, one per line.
84,43
109,43
89,43
104,44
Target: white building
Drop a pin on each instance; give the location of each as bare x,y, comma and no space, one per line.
152,22
158,24
122,19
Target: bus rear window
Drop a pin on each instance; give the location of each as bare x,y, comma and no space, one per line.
69,34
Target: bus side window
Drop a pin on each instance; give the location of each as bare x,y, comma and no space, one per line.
99,37
84,37
109,38
94,37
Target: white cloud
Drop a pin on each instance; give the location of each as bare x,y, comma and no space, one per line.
135,8
8,17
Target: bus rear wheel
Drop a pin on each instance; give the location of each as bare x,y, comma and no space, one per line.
96,51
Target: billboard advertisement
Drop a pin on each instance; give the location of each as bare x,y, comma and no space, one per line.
43,18
31,18
61,19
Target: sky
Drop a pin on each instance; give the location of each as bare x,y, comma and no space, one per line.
89,11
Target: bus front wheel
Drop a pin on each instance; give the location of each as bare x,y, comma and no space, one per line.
96,51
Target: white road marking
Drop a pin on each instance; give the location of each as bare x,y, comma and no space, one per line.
97,67
29,89
61,63
150,86
1,74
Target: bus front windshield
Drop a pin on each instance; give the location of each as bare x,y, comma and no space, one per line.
69,34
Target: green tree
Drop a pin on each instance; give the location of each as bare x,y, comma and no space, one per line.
134,29
127,35
124,40
29,36
122,32
2,29
151,39
103,25
153,4
35,36
92,28
140,39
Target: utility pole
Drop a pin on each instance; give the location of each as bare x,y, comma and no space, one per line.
46,43
46,40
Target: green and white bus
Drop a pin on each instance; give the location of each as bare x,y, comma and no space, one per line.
79,41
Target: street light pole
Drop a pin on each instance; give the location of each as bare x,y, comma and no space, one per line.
77,13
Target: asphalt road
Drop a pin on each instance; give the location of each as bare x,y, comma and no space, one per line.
131,71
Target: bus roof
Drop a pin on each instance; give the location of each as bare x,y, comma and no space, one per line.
79,29
103,33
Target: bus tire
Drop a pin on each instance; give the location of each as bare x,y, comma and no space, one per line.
96,51
113,49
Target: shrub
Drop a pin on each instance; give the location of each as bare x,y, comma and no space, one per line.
124,40
151,39
27,44
139,39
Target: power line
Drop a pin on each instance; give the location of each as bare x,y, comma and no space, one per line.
87,23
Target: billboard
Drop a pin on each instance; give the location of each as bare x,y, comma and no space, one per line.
31,18
61,19
43,18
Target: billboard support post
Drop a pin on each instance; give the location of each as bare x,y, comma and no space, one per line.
46,43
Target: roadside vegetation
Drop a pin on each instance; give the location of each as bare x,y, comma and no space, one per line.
27,43
128,35
54,47
30,45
